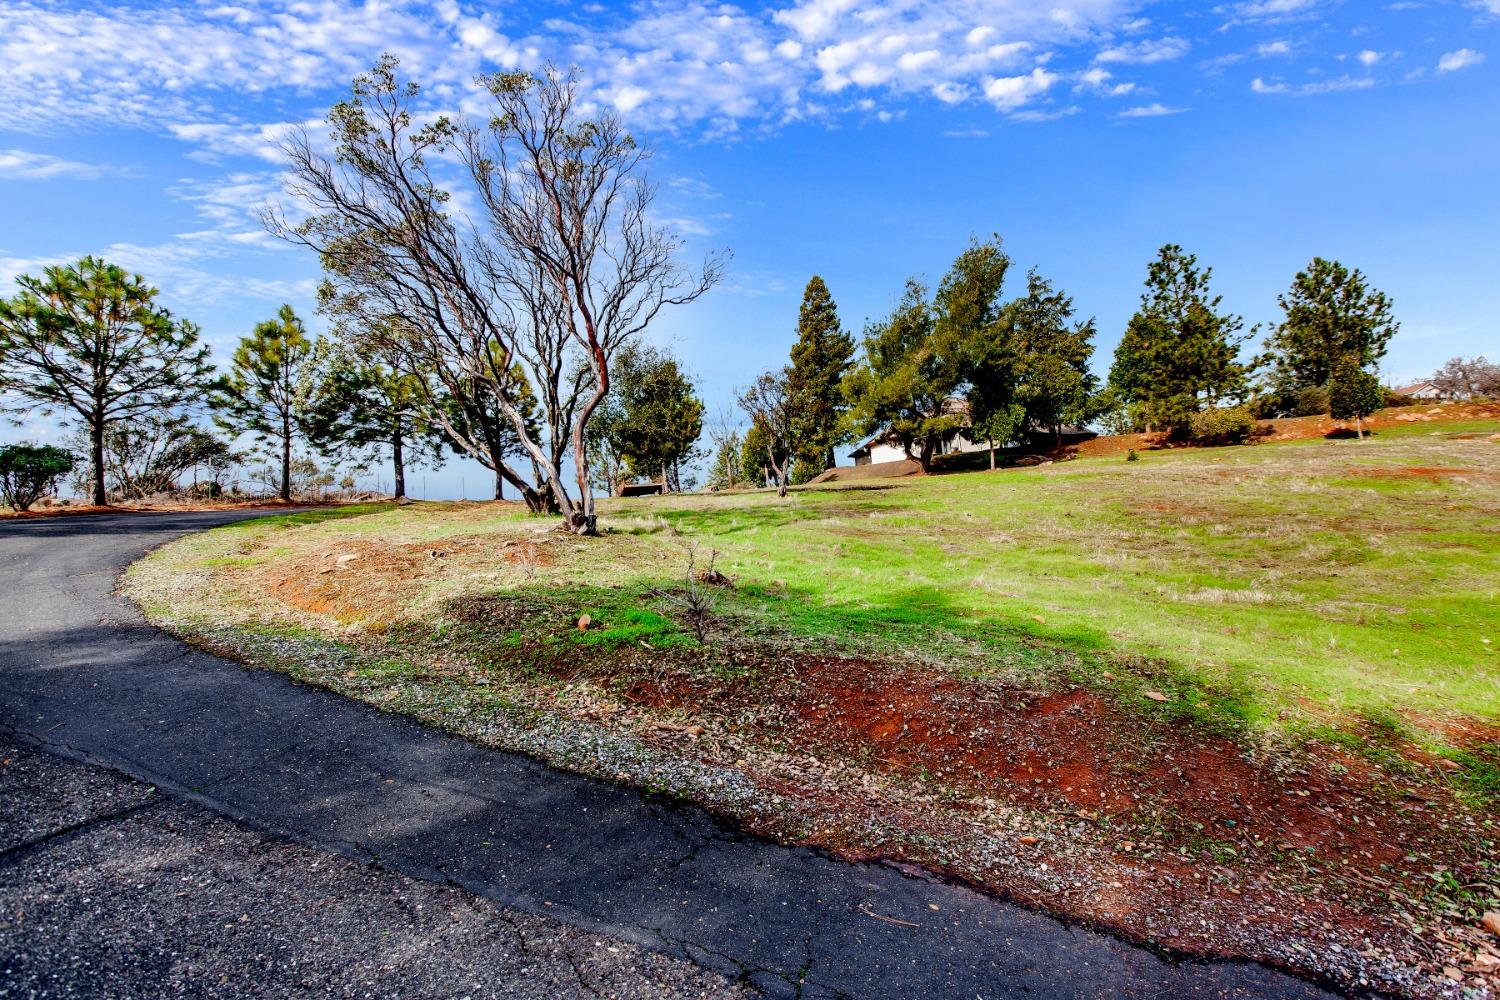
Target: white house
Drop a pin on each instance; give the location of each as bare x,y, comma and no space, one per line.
1422,390
884,447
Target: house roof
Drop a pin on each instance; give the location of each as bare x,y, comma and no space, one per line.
1407,390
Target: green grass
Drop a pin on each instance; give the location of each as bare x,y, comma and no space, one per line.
1280,585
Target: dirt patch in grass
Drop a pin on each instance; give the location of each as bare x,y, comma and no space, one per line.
1430,473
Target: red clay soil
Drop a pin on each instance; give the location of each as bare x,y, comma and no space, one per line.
1174,835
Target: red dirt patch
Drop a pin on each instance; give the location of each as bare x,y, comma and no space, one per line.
1431,473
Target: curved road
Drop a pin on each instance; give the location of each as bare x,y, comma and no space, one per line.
81,675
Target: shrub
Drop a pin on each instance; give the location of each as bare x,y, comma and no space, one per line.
1310,401
29,472
1223,425
1132,456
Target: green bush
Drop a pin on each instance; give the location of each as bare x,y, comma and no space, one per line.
1132,456
1311,401
29,472
1223,425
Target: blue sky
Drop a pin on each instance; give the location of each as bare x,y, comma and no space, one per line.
865,141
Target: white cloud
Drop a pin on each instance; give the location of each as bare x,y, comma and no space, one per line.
1277,48
22,165
1268,10
1260,86
1156,110
1145,52
1010,92
1462,59
1369,57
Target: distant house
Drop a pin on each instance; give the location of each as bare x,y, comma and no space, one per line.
1422,390
884,447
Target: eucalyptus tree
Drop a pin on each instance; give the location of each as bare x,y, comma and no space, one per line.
561,268
88,340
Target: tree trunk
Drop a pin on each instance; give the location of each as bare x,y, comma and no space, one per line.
992,455
1359,427
398,461
925,457
286,459
96,458
499,486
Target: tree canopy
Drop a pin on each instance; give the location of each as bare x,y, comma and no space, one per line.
1330,313
89,340
361,409
1179,352
821,355
1353,392
565,265
29,472
265,393
659,418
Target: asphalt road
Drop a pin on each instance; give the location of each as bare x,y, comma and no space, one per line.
231,749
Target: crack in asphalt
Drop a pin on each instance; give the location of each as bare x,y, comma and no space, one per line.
17,852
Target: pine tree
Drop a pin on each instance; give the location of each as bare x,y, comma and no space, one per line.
89,339
1330,313
661,417
265,393
1054,385
1179,352
360,408
915,360
820,357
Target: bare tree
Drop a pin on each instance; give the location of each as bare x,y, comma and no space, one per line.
1466,378
768,403
569,214
562,269
726,441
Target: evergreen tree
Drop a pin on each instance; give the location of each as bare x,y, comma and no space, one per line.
89,339
661,417
1353,392
265,393
1179,352
360,409
820,357
1054,385
969,330
923,353
29,472
755,455
1330,313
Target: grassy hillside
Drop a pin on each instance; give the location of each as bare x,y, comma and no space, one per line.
1216,690
1304,581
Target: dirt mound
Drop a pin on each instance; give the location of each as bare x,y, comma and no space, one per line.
878,470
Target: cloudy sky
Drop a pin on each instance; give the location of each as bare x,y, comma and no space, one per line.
865,141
